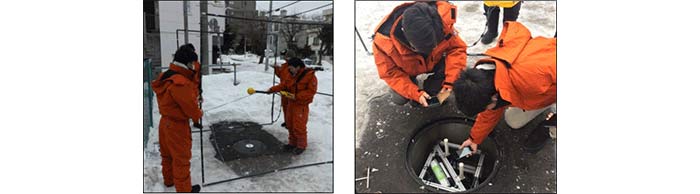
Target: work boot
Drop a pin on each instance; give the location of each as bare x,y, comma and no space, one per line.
289,147
492,15
537,139
488,37
298,151
195,189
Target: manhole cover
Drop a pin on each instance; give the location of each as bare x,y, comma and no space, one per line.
437,170
246,148
250,147
234,140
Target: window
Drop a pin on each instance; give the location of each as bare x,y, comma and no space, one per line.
317,41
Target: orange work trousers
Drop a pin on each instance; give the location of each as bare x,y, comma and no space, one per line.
175,151
296,117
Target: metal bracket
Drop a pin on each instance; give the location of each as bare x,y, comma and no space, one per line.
450,169
478,170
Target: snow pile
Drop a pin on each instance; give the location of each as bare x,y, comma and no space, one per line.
218,91
538,16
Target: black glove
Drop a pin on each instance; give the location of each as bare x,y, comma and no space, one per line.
198,125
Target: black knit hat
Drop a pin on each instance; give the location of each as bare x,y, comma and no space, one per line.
185,54
295,62
473,90
422,26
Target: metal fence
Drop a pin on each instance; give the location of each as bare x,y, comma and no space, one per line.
148,100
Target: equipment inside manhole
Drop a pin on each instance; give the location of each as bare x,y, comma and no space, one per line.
435,163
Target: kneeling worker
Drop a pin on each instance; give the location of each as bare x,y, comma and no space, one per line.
520,72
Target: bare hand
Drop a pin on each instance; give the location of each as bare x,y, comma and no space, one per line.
471,144
423,99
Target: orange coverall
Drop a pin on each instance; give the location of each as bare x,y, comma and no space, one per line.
177,102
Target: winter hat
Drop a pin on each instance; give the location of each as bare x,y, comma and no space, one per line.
189,45
422,26
185,54
295,62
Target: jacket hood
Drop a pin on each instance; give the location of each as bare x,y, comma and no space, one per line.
511,42
171,76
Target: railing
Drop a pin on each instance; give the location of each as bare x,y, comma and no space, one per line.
148,96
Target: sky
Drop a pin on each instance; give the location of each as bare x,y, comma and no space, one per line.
295,8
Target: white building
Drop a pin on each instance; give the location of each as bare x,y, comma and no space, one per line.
172,24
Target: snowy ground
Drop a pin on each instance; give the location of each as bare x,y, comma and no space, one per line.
219,90
538,16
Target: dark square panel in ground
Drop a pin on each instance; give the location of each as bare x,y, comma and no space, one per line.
247,148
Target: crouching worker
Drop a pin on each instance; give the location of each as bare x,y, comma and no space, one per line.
419,38
519,72
299,88
177,92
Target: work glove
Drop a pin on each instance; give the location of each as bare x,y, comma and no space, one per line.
198,125
287,94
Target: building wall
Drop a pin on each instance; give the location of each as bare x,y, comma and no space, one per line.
171,19
240,27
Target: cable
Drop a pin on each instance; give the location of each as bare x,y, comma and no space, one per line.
488,14
219,106
268,172
309,10
286,5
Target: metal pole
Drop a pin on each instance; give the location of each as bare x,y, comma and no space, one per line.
184,14
204,61
272,108
269,31
220,40
204,37
362,41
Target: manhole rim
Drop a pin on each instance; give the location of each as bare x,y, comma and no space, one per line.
461,120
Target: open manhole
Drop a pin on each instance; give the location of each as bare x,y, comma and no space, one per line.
437,170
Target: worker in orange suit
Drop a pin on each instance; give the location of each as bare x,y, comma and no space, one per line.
177,91
282,72
521,71
299,88
419,38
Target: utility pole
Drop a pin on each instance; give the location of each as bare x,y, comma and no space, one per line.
204,40
184,14
269,39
